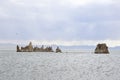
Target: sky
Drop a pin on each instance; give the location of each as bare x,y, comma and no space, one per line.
61,22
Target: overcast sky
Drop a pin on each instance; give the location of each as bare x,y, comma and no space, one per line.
60,20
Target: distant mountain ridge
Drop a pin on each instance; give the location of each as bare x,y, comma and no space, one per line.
6,45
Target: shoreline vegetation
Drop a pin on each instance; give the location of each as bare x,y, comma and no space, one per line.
100,49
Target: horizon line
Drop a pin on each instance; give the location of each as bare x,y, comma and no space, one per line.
110,43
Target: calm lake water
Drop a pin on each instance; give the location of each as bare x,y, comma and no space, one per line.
80,64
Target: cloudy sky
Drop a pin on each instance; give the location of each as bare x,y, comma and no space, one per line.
69,22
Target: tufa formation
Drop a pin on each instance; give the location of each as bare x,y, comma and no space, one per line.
101,48
58,50
30,48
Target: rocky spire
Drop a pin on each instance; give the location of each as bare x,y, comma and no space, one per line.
30,47
18,49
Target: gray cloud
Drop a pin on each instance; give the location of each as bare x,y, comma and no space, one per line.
52,21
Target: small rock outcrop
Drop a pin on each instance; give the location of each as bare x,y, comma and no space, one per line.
28,48
18,49
58,50
48,49
101,48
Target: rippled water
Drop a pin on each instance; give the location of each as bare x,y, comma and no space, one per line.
69,65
